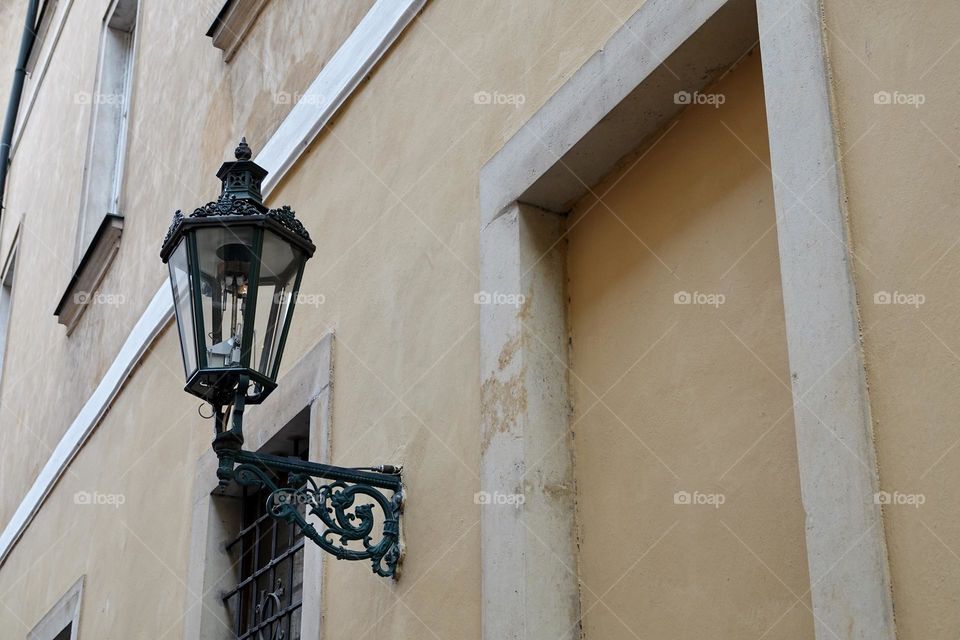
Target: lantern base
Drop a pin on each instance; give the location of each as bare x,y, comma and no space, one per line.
218,386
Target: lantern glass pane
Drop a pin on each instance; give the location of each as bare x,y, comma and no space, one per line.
183,304
225,256
279,265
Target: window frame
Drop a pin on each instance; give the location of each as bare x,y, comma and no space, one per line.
99,222
7,275
42,27
305,386
233,23
109,121
63,615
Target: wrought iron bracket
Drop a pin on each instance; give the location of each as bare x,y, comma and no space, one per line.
331,494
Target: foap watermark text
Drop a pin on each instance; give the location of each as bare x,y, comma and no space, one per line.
309,299
915,100
497,297
496,98
915,500
498,498
900,298
714,100
285,97
109,299
714,500
699,298
114,500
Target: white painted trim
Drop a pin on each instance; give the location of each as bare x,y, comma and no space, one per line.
846,546
352,62
340,77
158,312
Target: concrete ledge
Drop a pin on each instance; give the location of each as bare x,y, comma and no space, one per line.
608,108
620,97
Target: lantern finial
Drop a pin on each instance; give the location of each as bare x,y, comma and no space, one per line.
242,152
242,177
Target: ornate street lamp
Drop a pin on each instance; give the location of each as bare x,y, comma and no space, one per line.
235,270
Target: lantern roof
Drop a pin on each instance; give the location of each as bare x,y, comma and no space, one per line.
243,177
240,202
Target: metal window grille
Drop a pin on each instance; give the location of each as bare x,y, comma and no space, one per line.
266,603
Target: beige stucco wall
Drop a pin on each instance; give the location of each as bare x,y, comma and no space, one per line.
398,281
900,168
11,26
133,554
390,195
397,263
189,108
686,397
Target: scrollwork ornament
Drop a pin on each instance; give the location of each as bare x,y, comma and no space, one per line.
177,219
286,216
337,504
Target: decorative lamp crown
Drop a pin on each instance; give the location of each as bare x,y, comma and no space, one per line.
242,178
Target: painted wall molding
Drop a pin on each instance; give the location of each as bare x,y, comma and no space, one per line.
355,58
549,164
846,545
615,101
353,61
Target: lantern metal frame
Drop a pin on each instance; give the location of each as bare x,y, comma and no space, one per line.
298,490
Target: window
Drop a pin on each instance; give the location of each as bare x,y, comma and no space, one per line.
66,633
110,104
267,598
100,221
6,298
44,17
232,24
62,621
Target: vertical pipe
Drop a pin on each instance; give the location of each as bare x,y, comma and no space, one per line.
27,39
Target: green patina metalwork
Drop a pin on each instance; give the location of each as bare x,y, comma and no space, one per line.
336,503
347,502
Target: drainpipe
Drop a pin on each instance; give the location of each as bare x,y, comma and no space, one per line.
13,105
